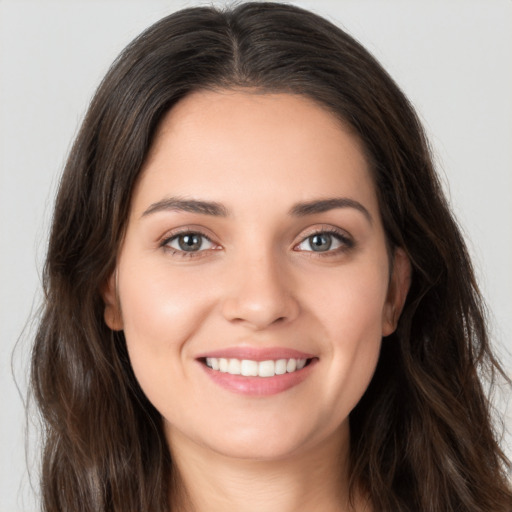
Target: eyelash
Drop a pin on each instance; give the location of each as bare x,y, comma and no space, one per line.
346,241
184,254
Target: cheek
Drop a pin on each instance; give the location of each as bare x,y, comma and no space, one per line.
350,311
350,304
159,304
161,311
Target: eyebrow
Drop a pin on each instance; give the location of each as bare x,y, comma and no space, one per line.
188,205
324,205
219,210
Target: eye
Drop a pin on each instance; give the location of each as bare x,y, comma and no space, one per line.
326,241
188,242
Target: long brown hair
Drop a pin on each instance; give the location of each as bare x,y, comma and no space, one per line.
422,437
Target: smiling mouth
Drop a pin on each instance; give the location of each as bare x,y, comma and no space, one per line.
251,368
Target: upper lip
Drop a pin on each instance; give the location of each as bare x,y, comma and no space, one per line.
257,354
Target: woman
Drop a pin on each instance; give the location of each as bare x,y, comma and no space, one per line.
256,296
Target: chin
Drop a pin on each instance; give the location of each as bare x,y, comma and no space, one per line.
270,442
258,449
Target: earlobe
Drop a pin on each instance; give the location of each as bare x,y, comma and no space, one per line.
399,285
112,312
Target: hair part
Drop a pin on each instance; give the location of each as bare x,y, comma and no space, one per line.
422,436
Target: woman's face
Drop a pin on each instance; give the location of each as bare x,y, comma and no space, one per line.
254,282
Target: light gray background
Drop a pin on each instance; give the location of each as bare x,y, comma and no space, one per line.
452,58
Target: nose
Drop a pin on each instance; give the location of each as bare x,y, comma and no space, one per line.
260,294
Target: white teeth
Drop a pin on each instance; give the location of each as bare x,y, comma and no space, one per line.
266,369
249,368
212,362
223,365
291,365
281,366
234,367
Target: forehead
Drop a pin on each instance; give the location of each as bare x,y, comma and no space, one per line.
280,147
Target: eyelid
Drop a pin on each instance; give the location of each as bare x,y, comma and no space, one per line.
325,228
346,240
341,235
186,230
200,235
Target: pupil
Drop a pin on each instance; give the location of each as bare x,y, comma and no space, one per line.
189,242
321,242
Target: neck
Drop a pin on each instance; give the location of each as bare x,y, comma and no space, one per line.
315,479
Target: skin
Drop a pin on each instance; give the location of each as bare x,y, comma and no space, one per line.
257,283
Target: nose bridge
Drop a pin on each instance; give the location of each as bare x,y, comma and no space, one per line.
260,292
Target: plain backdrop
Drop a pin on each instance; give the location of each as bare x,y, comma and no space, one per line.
452,58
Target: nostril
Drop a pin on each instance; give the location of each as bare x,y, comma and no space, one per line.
259,297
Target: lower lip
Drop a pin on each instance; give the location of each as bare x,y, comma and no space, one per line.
259,386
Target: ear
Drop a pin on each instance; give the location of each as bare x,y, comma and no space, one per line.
397,292
112,313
